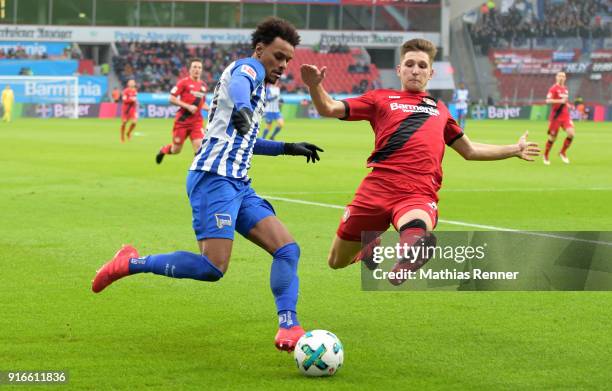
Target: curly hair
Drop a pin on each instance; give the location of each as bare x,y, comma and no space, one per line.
270,28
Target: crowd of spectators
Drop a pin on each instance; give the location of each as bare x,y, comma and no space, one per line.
519,25
334,48
157,65
359,67
20,53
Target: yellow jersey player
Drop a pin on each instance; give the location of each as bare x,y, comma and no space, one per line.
7,103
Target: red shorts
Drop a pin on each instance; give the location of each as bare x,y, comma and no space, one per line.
130,113
181,131
380,202
555,124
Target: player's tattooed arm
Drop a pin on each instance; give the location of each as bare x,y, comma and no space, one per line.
325,104
523,149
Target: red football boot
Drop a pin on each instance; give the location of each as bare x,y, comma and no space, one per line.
286,339
408,264
114,269
366,255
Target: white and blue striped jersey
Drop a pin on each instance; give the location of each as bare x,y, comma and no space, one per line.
273,96
461,98
224,151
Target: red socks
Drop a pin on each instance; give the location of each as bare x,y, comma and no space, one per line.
413,231
132,126
549,145
566,145
167,149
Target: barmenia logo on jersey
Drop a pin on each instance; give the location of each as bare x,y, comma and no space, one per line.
406,108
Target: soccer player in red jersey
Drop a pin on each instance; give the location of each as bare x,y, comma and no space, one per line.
411,130
129,109
558,96
189,95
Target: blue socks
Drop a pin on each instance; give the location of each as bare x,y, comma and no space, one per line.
276,130
265,133
284,283
179,264
287,319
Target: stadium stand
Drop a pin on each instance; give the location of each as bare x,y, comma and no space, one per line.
156,66
11,52
525,52
339,79
519,26
526,74
596,86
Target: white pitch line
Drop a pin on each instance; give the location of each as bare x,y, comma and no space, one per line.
452,222
303,202
498,190
528,189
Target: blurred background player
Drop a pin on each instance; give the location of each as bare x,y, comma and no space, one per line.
116,95
461,99
272,110
7,103
129,109
219,190
190,95
411,131
558,97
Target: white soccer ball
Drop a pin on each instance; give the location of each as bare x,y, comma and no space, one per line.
319,353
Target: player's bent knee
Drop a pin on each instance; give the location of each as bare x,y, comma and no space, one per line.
335,262
208,273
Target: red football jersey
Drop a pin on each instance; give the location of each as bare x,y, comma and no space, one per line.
129,97
559,111
193,93
411,131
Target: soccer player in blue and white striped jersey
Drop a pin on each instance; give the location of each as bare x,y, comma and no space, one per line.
461,97
273,111
219,190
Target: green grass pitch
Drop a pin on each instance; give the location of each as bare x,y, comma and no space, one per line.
71,194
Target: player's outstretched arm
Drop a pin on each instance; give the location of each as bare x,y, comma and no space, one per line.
523,149
325,104
275,148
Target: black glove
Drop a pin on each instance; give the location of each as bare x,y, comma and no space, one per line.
303,149
242,120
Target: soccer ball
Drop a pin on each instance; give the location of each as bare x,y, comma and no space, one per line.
319,353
